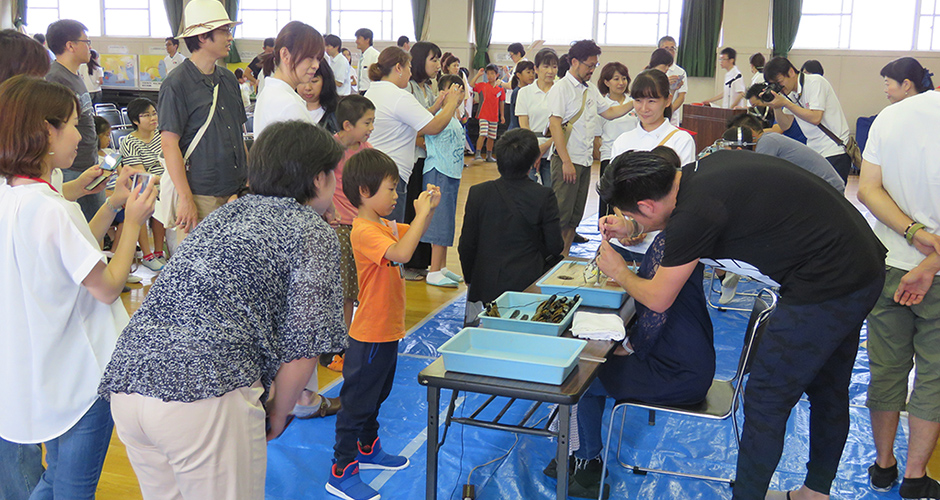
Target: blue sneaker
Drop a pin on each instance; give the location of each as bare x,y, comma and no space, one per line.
349,485
376,458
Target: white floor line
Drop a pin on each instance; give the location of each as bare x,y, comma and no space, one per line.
410,450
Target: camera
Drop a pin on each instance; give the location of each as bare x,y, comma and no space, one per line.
766,95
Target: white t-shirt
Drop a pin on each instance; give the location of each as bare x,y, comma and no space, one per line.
317,114
57,337
341,73
532,102
91,81
757,78
640,140
245,89
398,118
734,84
676,70
564,101
815,92
907,152
278,102
610,130
172,63
369,57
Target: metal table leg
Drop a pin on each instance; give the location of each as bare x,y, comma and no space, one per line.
561,454
434,406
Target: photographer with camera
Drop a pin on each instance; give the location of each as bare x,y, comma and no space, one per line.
811,101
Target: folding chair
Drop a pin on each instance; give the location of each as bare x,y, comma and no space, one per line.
118,134
722,399
125,119
104,105
112,115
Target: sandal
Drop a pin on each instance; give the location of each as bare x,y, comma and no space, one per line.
327,407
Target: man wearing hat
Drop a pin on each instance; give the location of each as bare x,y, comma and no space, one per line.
201,118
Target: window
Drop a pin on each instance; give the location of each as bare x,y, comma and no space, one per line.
928,25
554,21
637,22
388,19
136,18
867,25
41,13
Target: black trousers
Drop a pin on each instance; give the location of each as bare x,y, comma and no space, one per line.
843,165
421,259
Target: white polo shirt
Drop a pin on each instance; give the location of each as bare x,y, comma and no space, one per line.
610,130
816,93
907,152
342,72
564,101
172,63
640,140
532,102
57,337
676,70
734,83
398,118
278,102
369,57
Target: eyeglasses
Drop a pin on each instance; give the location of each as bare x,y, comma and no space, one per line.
148,115
86,41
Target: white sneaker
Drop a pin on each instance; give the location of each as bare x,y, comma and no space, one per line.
452,275
152,263
729,286
133,279
439,279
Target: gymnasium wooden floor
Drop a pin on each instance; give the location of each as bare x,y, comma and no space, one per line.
118,481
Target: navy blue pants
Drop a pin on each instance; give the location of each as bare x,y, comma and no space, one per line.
368,373
807,348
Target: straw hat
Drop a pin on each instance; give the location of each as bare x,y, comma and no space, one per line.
203,16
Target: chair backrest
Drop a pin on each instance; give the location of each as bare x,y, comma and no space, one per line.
104,105
118,134
126,119
764,306
112,115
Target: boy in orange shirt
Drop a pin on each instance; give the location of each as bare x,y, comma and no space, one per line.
380,246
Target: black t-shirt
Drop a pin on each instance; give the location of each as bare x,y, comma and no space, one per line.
777,217
255,66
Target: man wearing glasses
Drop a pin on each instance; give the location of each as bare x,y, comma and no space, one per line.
216,167
732,93
677,80
69,42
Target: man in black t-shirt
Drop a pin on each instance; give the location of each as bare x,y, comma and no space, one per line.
767,217
254,75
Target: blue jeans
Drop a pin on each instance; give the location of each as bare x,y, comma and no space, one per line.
544,170
90,203
20,468
590,420
75,458
398,213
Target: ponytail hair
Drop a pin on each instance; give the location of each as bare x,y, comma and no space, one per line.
522,66
908,68
388,59
301,40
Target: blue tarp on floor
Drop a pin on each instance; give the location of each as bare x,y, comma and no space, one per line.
299,461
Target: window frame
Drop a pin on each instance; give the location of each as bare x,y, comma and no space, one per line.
846,25
335,8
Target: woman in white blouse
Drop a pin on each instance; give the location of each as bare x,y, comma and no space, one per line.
59,295
298,51
651,101
399,117
613,84
532,109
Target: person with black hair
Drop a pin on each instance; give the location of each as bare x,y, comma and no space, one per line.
492,109
614,85
404,43
757,67
677,80
761,216
574,103
369,56
173,56
321,98
524,76
732,93
92,74
810,101
255,72
510,233
812,67
39,37
905,77
342,71
532,110
203,173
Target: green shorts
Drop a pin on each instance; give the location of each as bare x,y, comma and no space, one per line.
897,337
571,197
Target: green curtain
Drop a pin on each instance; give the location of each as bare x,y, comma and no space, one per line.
786,22
419,9
174,15
19,13
483,27
698,36
231,8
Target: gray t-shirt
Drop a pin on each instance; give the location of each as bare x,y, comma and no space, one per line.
800,155
218,165
88,147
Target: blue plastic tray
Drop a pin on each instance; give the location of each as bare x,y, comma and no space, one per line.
526,304
607,296
512,355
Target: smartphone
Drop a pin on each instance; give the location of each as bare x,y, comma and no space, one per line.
110,162
140,178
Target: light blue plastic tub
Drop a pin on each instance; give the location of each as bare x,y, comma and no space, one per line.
512,355
526,304
591,296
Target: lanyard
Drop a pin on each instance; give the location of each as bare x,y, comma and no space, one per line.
38,179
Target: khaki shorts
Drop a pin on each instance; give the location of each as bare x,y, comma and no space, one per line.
571,197
205,205
347,263
897,337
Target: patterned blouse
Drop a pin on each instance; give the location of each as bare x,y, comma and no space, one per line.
255,285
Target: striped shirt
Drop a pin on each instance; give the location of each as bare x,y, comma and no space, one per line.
137,152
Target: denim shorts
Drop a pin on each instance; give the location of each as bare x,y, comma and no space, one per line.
441,230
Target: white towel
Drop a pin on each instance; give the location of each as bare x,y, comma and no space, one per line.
598,326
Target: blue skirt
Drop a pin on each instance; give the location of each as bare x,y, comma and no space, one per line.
441,230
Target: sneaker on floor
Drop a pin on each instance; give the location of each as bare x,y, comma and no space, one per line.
337,364
490,159
452,275
579,239
133,279
376,458
922,488
327,407
729,286
438,278
349,485
412,274
152,263
882,479
477,157
585,481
